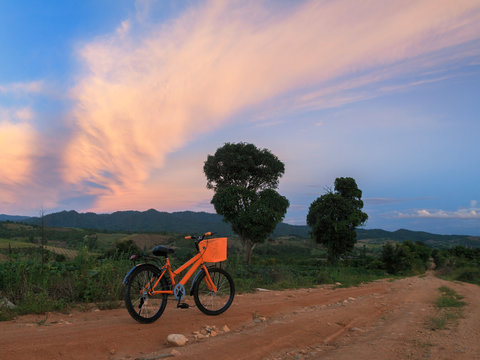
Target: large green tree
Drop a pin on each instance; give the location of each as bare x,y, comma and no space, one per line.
244,179
334,217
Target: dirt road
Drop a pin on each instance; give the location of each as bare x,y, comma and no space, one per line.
379,320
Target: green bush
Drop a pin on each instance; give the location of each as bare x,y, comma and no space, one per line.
407,258
458,263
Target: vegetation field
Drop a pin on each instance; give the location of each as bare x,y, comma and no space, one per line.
15,244
60,268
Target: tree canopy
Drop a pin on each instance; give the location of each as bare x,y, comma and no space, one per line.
334,217
244,179
243,165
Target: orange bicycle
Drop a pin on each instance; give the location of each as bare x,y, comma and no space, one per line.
148,285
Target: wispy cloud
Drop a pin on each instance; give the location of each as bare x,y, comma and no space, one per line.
462,213
385,200
32,87
16,114
143,97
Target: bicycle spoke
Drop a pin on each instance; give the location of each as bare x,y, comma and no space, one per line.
214,302
141,304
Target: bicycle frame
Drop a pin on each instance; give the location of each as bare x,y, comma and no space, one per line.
194,262
148,284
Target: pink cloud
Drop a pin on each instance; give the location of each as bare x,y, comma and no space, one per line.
141,97
16,152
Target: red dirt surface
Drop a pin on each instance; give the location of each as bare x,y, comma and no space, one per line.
380,320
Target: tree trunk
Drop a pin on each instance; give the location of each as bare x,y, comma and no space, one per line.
247,250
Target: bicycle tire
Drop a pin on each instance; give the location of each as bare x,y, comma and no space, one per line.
208,301
143,307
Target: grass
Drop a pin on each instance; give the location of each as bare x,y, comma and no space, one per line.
469,273
449,308
36,287
75,278
58,286
449,298
284,276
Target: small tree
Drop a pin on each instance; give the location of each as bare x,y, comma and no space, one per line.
334,217
244,179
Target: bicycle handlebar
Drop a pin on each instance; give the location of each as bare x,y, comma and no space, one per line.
199,238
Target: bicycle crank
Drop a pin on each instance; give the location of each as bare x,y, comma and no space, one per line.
179,292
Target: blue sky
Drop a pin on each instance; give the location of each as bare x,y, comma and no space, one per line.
115,105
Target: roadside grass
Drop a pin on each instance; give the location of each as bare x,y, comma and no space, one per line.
449,298
279,277
469,273
449,309
77,278
38,287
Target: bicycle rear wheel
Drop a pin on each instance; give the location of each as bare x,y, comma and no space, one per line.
210,302
142,306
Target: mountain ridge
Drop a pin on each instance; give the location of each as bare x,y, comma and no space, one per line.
190,222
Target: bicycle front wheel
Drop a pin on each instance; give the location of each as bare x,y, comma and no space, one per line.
209,301
141,304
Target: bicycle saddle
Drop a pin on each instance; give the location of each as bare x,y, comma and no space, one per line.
161,250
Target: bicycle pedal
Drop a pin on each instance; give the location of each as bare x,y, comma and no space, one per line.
183,306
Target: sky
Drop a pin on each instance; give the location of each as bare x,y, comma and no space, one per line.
109,105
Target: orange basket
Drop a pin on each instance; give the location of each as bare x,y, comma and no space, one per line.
213,250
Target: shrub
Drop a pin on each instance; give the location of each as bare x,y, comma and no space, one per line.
468,274
405,258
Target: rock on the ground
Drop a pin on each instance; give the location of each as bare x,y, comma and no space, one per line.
200,336
226,329
6,303
176,340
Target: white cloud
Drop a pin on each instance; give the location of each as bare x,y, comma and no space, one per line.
463,213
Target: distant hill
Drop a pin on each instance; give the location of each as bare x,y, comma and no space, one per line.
136,221
378,236
14,218
189,222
